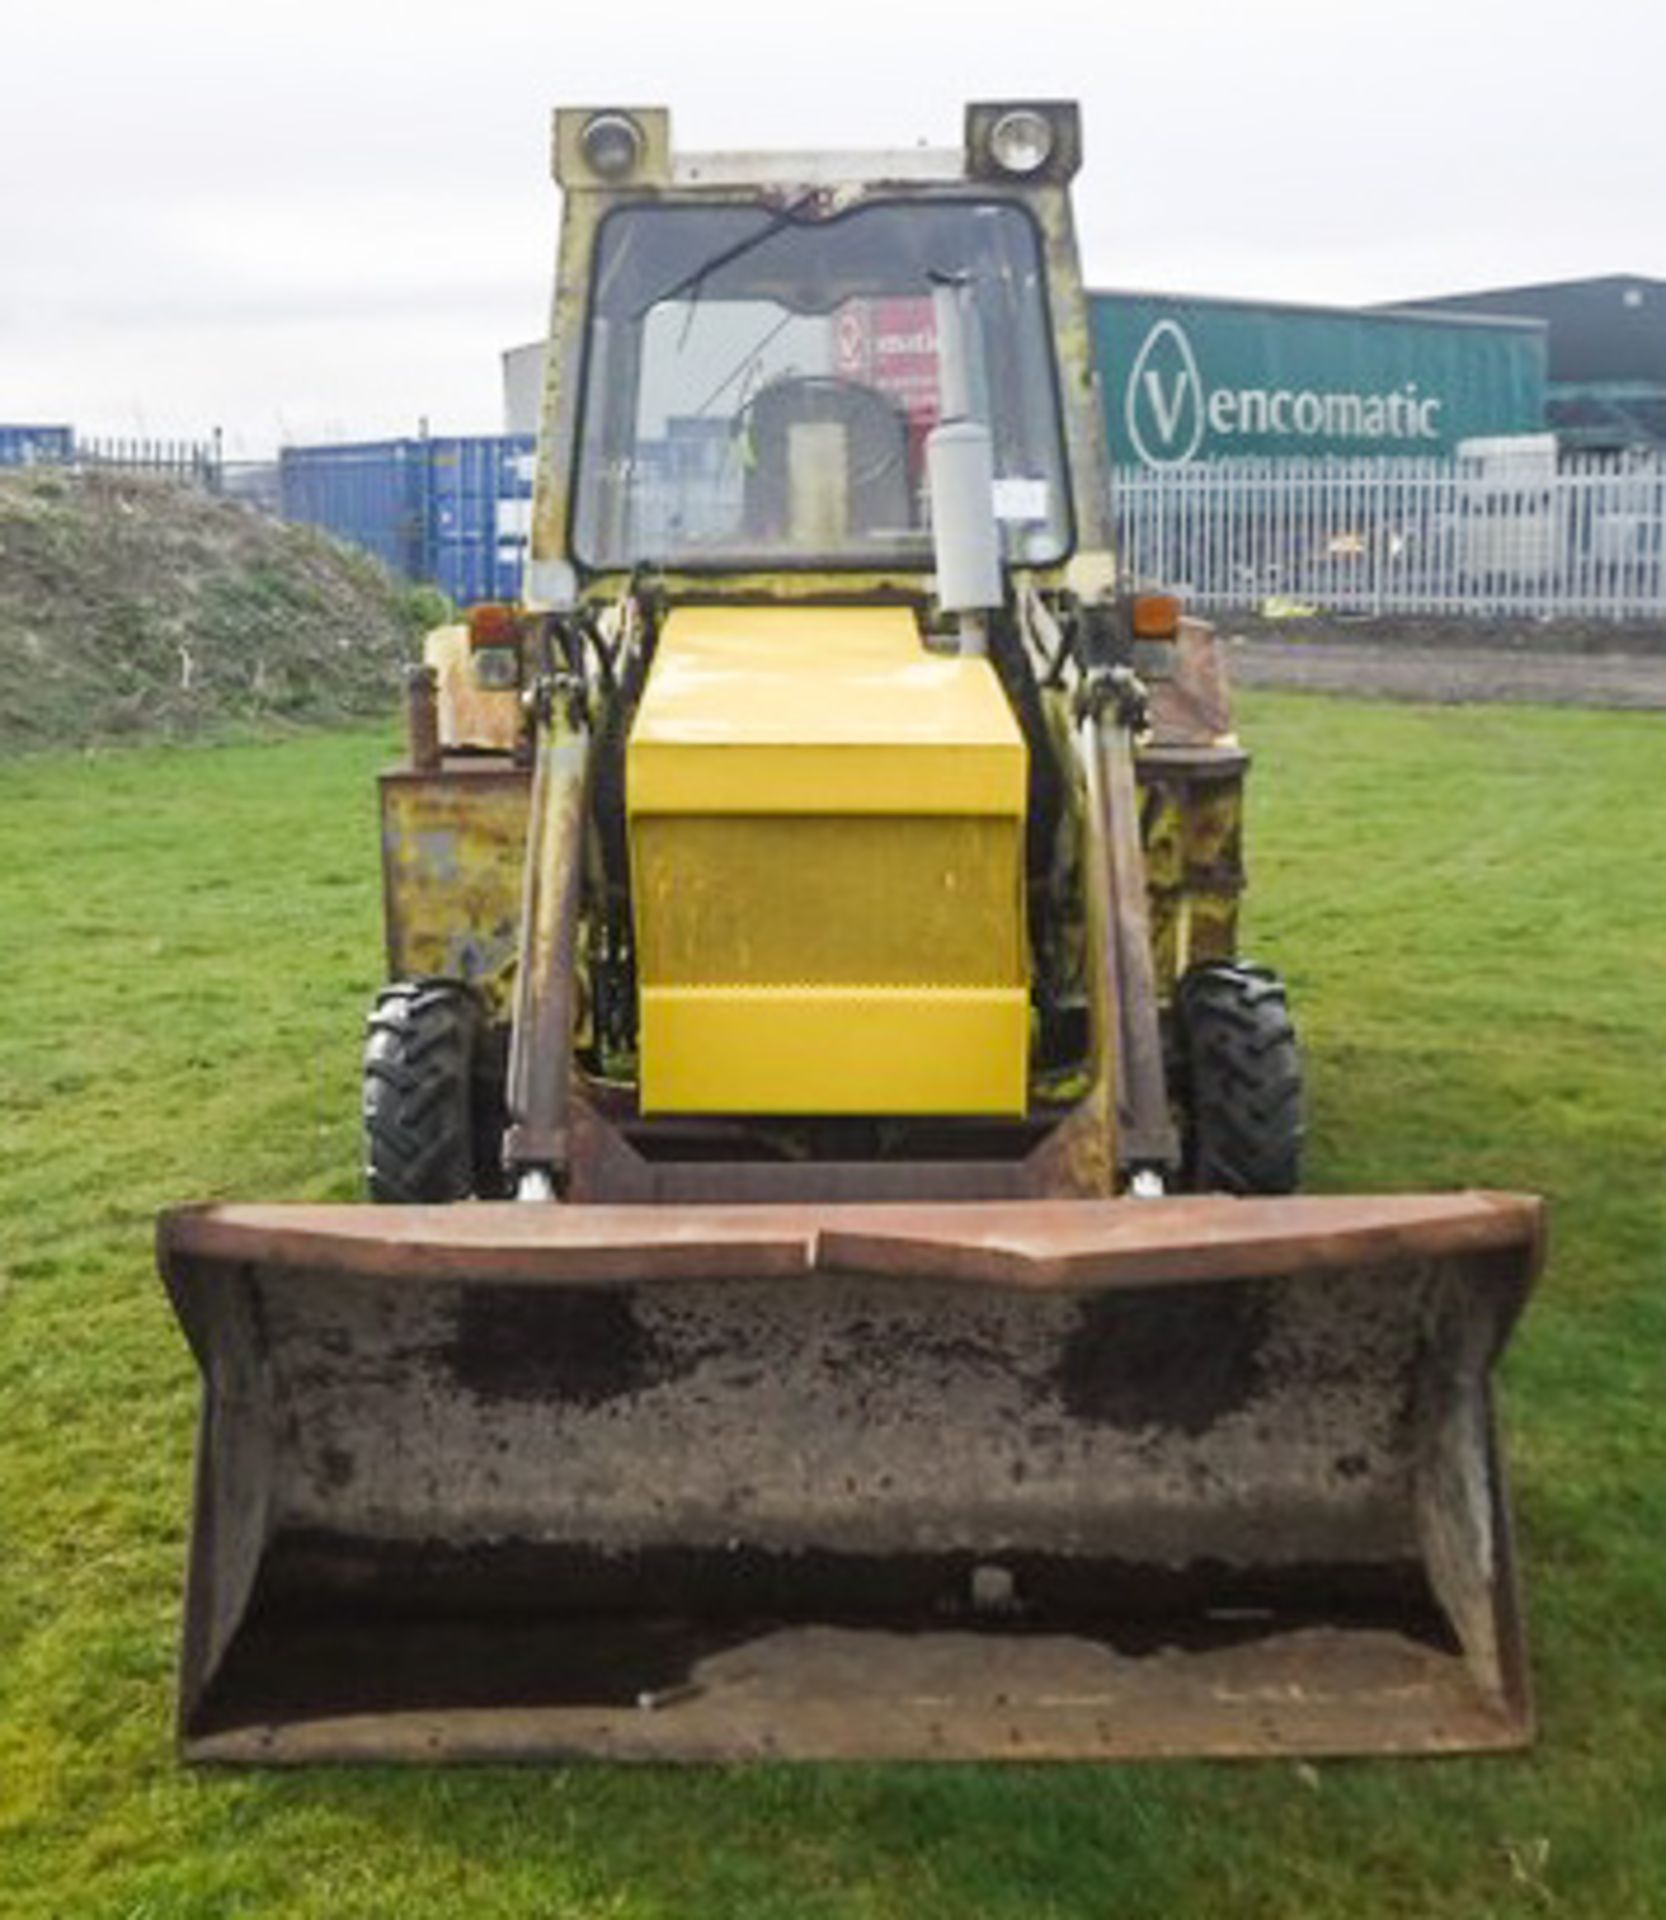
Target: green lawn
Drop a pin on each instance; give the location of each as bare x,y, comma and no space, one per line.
1471,908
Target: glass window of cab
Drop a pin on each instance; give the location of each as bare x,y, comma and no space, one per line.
759,384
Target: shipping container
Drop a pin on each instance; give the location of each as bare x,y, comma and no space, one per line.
29,446
1187,378
454,512
478,515
366,492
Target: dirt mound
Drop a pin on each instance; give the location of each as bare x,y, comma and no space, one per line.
131,606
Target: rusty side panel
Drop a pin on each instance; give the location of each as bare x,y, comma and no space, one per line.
1191,817
452,846
1191,774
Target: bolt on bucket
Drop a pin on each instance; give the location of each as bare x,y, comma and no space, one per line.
1023,1480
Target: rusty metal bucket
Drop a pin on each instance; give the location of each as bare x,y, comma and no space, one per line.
1064,1479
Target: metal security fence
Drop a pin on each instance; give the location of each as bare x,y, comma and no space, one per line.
196,463
1513,534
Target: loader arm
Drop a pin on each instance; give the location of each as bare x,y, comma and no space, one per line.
536,1146
1128,1043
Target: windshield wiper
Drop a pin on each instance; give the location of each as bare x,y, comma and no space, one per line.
695,281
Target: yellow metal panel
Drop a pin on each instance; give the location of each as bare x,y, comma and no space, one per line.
827,868
819,710
452,846
816,1050
824,900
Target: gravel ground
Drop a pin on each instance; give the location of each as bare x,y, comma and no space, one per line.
1451,675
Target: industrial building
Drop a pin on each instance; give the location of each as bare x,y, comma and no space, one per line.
1606,388
1187,378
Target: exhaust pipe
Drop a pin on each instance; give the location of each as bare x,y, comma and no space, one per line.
960,467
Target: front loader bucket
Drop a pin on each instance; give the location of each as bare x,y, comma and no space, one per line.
1063,1479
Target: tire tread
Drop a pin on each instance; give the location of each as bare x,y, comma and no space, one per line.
1241,1067
420,1043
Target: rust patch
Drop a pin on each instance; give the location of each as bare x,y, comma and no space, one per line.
1191,823
452,844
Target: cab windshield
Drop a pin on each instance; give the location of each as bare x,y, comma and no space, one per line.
759,384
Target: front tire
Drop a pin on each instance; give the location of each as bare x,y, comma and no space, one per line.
421,1060
1243,1122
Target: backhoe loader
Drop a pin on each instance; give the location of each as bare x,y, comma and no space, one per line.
834,1283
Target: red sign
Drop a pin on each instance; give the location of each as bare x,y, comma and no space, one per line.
891,345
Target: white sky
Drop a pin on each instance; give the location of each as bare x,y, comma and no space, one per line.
307,221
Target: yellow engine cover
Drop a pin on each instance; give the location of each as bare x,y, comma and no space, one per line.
827,827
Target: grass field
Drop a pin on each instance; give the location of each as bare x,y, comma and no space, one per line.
1471,909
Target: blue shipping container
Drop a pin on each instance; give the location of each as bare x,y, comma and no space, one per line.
36,446
367,493
454,512
478,515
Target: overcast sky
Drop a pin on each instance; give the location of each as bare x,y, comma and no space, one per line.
316,221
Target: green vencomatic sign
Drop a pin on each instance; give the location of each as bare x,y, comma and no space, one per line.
1189,379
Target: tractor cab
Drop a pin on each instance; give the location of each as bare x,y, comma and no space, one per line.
760,383
751,354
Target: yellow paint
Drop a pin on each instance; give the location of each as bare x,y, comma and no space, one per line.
819,710
1194,870
827,865
452,848
816,1050
828,898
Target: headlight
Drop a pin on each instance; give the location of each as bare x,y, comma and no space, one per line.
495,646
496,669
1021,141
612,145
